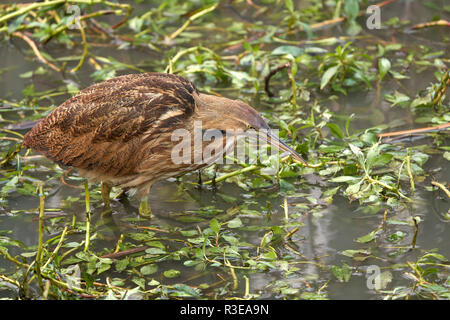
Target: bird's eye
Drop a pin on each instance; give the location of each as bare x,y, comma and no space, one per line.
249,127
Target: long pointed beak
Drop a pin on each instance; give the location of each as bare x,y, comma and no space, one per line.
275,141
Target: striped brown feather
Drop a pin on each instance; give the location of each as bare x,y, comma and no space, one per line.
103,126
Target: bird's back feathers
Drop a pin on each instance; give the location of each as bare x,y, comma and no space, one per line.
106,123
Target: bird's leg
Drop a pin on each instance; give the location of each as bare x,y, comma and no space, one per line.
200,177
144,208
200,182
214,186
106,190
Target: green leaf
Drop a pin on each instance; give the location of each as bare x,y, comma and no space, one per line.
396,222
140,282
369,138
103,267
359,255
347,179
382,160
149,269
343,273
372,154
28,254
189,291
214,225
327,76
14,25
172,273
351,8
270,255
336,130
352,189
420,158
235,223
289,5
156,244
384,65
350,170
422,102
368,237
330,148
358,153
397,75
447,155
397,98
122,264
292,50
155,251
353,28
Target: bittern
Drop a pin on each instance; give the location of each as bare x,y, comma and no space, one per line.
119,132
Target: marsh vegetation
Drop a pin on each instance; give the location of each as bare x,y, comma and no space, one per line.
367,218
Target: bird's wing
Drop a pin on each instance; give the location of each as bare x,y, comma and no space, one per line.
104,125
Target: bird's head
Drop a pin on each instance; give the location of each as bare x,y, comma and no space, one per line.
236,118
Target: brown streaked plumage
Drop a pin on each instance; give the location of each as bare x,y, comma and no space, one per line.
119,131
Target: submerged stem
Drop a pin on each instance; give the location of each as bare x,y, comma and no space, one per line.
88,216
40,235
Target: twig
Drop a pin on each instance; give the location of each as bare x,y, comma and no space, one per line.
119,242
79,19
234,173
120,254
408,169
445,83
172,61
27,8
55,251
127,15
247,287
63,180
416,230
85,49
233,274
250,3
192,18
414,131
286,210
36,5
12,281
152,228
38,259
442,187
341,19
238,45
270,75
35,50
439,23
291,233
371,180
